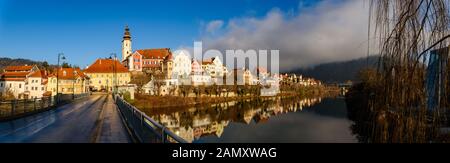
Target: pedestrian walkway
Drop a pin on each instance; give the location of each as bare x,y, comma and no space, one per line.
112,129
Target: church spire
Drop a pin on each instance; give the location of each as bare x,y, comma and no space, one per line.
126,44
127,35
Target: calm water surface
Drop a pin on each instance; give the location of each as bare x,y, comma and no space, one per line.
272,121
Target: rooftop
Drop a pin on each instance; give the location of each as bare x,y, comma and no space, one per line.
69,73
19,68
154,53
106,66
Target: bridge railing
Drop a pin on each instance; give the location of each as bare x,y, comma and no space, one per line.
17,108
143,127
14,108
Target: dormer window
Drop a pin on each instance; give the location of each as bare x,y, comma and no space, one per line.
64,73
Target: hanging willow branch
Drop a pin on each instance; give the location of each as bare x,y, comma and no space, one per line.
410,29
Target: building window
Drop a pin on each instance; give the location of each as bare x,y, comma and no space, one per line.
42,88
20,85
1,84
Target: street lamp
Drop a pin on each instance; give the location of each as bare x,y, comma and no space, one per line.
73,84
114,57
60,57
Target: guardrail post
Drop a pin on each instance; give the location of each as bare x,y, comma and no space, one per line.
24,105
142,122
34,103
13,107
163,135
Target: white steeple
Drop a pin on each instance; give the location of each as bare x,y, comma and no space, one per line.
126,44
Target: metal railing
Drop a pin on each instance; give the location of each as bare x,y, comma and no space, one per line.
67,98
17,108
145,129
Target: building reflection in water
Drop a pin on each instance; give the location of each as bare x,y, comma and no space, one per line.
194,123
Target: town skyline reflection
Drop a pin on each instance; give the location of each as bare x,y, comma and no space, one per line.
197,122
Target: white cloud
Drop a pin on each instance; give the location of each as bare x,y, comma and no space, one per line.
213,26
327,32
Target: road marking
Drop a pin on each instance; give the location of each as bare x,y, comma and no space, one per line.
99,123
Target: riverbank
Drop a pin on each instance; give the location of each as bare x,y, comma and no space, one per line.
145,102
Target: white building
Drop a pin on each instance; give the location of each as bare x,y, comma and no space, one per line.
161,87
214,67
200,79
198,76
181,65
24,82
36,84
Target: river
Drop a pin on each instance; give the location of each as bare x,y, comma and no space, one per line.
313,120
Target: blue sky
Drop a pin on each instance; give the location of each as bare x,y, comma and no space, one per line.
86,29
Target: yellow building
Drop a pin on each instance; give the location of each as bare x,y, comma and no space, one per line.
70,81
167,66
104,74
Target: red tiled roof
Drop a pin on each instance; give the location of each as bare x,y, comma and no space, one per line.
168,57
208,61
18,76
154,53
106,66
18,68
12,79
14,74
69,73
36,74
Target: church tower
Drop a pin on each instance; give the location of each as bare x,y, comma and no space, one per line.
126,44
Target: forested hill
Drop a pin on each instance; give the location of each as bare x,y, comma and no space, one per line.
338,72
18,62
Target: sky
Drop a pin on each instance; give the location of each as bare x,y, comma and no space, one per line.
88,29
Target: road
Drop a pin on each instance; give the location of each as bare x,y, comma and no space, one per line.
91,120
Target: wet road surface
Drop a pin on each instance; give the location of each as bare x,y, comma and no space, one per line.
91,120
